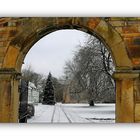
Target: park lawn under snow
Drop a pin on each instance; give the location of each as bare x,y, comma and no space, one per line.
74,113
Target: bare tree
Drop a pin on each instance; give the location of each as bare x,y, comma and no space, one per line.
30,75
92,69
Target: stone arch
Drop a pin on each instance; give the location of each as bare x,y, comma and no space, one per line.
33,29
101,29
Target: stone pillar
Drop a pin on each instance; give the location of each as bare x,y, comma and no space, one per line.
9,96
137,99
125,95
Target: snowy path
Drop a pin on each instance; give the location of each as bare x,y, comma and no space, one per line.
74,113
59,115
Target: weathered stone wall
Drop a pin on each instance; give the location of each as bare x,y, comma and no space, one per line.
129,29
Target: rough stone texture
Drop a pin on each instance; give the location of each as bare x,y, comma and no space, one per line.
126,86
137,112
124,104
9,97
129,29
121,35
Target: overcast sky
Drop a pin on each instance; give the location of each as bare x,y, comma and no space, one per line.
50,53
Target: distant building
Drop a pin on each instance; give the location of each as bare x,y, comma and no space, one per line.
73,95
33,93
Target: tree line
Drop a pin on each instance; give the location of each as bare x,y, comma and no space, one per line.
87,75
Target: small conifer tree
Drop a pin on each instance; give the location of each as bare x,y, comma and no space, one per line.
49,96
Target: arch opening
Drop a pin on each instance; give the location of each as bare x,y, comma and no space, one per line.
29,51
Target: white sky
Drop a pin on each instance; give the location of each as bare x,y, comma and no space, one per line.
50,53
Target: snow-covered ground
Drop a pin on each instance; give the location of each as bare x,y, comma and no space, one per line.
74,113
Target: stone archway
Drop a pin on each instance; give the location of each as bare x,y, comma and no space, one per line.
33,29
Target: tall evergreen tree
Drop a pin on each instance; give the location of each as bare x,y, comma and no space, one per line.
49,96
